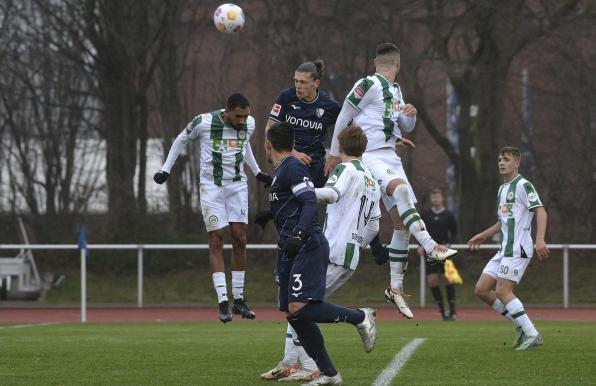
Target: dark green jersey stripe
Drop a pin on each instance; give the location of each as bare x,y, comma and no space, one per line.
388,100
216,135
336,172
510,199
349,255
359,91
357,164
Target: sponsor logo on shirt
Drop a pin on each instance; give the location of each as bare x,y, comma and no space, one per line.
275,110
295,107
358,93
299,122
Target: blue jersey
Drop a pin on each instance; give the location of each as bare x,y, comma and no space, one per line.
292,199
309,119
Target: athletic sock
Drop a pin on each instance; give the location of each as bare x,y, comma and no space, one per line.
500,308
238,284
306,362
219,283
516,309
323,312
450,289
411,218
312,340
291,353
436,291
398,257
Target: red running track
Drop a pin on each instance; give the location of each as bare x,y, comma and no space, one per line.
159,314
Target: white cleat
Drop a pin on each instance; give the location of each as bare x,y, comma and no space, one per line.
367,329
529,342
397,298
301,374
326,380
280,371
440,253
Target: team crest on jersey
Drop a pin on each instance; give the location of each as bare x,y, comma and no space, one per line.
275,110
242,134
358,93
510,196
320,112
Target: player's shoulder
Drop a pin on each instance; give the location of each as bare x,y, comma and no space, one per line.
250,122
327,99
287,95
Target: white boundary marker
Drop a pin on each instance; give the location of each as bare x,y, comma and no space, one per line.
17,326
399,361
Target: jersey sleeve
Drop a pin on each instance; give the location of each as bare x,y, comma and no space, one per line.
193,129
529,196
278,111
361,94
340,179
376,211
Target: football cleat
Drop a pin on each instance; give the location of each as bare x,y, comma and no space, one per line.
300,375
519,337
368,329
440,253
224,312
280,371
398,299
449,317
529,342
323,379
240,308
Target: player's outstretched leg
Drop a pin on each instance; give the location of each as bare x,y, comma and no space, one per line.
398,263
413,222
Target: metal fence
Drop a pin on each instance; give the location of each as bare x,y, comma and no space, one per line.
142,247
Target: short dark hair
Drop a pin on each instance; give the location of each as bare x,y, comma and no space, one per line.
237,100
281,136
353,141
436,191
386,48
514,151
316,68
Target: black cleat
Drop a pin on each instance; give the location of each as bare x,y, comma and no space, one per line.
240,308
224,312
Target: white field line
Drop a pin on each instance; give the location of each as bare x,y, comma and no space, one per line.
399,361
17,326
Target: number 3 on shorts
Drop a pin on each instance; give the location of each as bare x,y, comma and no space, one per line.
297,282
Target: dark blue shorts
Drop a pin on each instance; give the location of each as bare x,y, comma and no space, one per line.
302,278
317,172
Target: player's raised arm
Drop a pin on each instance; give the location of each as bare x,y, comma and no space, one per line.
475,242
176,149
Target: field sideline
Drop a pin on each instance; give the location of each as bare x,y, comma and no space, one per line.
210,353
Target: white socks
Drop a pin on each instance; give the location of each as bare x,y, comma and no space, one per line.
219,283
411,218
238,284
398,257
516,309
500,308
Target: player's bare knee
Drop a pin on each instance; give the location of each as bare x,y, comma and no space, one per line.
215,238
481,292
395,184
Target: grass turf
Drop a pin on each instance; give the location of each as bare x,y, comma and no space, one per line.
210,353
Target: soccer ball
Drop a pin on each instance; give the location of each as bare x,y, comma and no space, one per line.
228,18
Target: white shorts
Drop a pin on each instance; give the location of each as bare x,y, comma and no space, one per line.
510,268
336,276
222,205
385,166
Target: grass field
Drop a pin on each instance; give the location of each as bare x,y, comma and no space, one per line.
210,353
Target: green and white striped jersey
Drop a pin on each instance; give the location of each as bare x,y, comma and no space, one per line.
358,203
222,148
378,102
515,202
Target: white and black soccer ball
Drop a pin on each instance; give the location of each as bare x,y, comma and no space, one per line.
228,18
